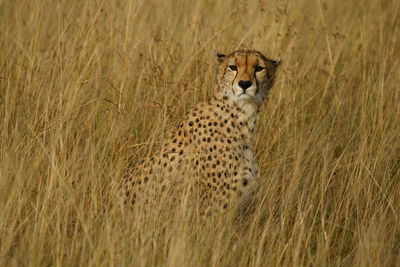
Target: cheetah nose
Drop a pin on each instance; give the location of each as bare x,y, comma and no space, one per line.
244,84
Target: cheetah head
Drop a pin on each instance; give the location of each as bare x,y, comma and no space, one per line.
246,76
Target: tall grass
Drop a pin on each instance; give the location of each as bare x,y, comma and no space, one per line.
86,86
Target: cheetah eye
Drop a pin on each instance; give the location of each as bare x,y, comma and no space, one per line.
232,67
259,68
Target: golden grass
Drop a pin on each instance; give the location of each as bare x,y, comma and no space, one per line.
85,85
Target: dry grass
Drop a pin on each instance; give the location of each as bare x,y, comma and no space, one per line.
85,85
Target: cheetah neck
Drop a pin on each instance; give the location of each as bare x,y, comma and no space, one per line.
245,113
249,109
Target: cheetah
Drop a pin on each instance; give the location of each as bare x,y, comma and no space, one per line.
210,154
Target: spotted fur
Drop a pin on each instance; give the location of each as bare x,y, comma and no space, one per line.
210,154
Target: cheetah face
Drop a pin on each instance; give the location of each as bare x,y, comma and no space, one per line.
246,75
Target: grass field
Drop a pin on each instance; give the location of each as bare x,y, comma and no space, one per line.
87,85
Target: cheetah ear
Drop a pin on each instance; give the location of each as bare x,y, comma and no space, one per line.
275,63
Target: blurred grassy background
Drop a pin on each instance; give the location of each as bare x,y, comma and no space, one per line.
85,85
